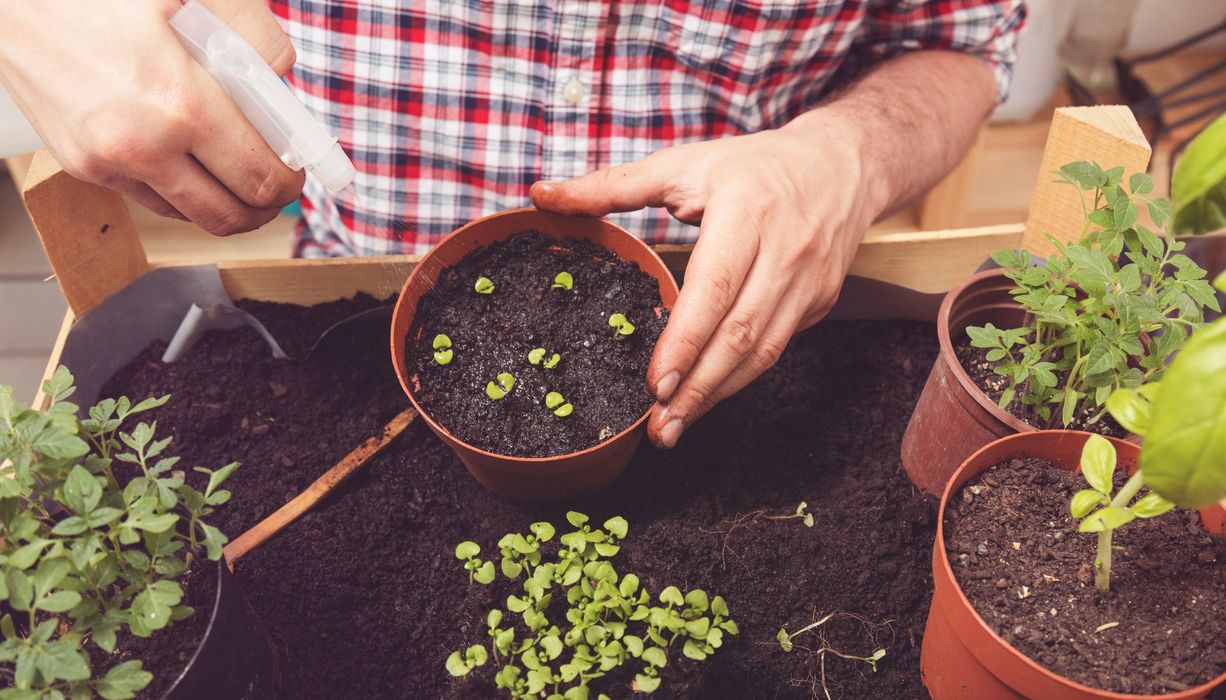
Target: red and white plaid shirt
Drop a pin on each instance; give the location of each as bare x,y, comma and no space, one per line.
452,109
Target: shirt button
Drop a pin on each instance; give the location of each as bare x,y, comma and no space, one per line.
573,91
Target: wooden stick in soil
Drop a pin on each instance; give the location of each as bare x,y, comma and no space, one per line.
306,500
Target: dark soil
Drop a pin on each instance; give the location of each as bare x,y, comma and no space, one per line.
979,369
1024,566
364,597
285,422
600,373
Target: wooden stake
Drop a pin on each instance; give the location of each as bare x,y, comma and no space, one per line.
1106,134
306,500
86,231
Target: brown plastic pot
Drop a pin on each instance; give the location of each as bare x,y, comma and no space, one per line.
961,656
529,478
953,416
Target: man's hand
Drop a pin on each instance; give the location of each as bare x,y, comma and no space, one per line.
120,103
781,214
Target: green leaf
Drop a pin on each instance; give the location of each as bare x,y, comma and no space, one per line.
1183,458
467,550
1198,183
456,665
1140,183
485,574
1085,501
1151,505
646,684
535,355
1108,518
484,285
1131,410
655,656
617,526
672,595
563,280
1098,463
124,681
60,601
575,518
81,490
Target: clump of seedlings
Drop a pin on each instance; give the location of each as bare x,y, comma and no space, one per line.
544,358
563,280
558,404
621,325
484,285
442,349
1104,313
500,386
609,619
83,557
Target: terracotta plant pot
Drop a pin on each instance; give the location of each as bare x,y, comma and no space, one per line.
953,416
235,659
961,656
529,478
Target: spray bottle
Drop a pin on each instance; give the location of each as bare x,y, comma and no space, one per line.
267,102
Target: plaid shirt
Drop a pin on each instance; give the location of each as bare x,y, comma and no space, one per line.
452,109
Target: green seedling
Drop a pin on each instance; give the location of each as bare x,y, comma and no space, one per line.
484,285
1104,313
557,403
802,513
460,665
478,570
608,620
1098,467
442,349
621,325
563,280
84,558
496,391
537,356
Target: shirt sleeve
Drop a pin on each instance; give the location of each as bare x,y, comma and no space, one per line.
986,29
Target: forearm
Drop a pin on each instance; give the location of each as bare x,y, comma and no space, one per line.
910,120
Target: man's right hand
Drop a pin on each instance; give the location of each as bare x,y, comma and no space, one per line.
120,103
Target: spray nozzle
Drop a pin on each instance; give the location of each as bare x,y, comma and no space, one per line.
267,102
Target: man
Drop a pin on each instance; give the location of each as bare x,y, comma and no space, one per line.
723,113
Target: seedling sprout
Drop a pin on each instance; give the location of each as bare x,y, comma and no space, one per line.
563,280
537,356
557,403
442,349
496,391
802,513
620,324
484,285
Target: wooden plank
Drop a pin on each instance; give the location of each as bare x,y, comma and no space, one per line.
86,232
307,282
931,261
1106,134
945,205
40,399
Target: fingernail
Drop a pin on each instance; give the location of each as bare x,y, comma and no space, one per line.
666,386
672,432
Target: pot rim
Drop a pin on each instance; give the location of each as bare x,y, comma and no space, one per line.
945,338
942,569
398,343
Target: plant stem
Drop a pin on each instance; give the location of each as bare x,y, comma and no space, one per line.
1102,560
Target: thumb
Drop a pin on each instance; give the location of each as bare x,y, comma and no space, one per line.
255,22
627,187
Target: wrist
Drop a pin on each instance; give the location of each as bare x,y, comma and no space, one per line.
846,144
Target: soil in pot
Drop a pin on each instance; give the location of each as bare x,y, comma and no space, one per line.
599,371
974,361
1020,560
366,599
286,422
